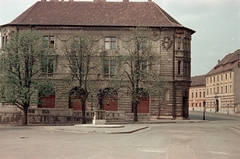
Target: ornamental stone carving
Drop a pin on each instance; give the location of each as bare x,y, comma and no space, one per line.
167,43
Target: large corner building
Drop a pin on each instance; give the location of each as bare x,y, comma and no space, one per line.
57,19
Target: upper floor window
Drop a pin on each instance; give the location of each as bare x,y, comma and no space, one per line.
110,43
49,41
109,67
196,94
179,67
221,77
185,44
230,75
226,76
179,43
203,94
48,66
4,40
144,65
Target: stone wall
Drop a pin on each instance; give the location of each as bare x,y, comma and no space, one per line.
44,116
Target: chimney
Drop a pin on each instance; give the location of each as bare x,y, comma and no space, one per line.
43,0
99,0
149,0
125,0
218,61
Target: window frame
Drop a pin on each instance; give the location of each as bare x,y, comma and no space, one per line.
111,41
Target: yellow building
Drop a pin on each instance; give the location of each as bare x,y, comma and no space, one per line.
220,85
197,93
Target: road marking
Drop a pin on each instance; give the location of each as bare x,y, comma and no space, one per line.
217,152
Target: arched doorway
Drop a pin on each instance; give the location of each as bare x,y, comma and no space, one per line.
46,97
110,99
143,106
75,96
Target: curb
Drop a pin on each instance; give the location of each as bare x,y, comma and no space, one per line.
235,127
126,132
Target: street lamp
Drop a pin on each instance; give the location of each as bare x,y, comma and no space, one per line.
204,109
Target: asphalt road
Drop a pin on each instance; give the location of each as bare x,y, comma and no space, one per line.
206,140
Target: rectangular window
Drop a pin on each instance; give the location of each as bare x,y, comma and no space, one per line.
221,77
230,76
48,66
110,43
109,67
226,76
144,65
185,44
204,94
196,94
141,44
230,88
179,43
179,67
226,89
200,94
49,41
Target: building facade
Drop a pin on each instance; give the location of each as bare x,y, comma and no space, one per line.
222,85
197,93
110,22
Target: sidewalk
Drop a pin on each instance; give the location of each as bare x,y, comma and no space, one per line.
114,128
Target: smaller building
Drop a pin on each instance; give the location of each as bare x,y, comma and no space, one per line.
222,85
197,93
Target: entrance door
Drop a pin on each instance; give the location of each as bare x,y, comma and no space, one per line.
185,107
47,101
143,106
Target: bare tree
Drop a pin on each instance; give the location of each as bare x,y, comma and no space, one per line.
22,60
81,52
138,67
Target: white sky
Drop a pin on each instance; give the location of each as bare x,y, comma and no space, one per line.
216,22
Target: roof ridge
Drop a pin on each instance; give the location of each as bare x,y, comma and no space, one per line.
164,14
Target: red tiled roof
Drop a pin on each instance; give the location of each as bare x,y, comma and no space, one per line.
198,81
96,14
229,62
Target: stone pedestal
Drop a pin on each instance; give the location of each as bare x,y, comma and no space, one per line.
99,117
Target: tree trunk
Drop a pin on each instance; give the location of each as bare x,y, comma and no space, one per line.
135,118
25,113
83,112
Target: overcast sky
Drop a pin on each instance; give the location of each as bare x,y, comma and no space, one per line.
216,22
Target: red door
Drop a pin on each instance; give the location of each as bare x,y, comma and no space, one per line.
76,103
47,101
143,106
110,105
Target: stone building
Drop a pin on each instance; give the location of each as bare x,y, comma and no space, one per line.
109,21
222,85
197,93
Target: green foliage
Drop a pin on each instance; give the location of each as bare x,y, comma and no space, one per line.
21,65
